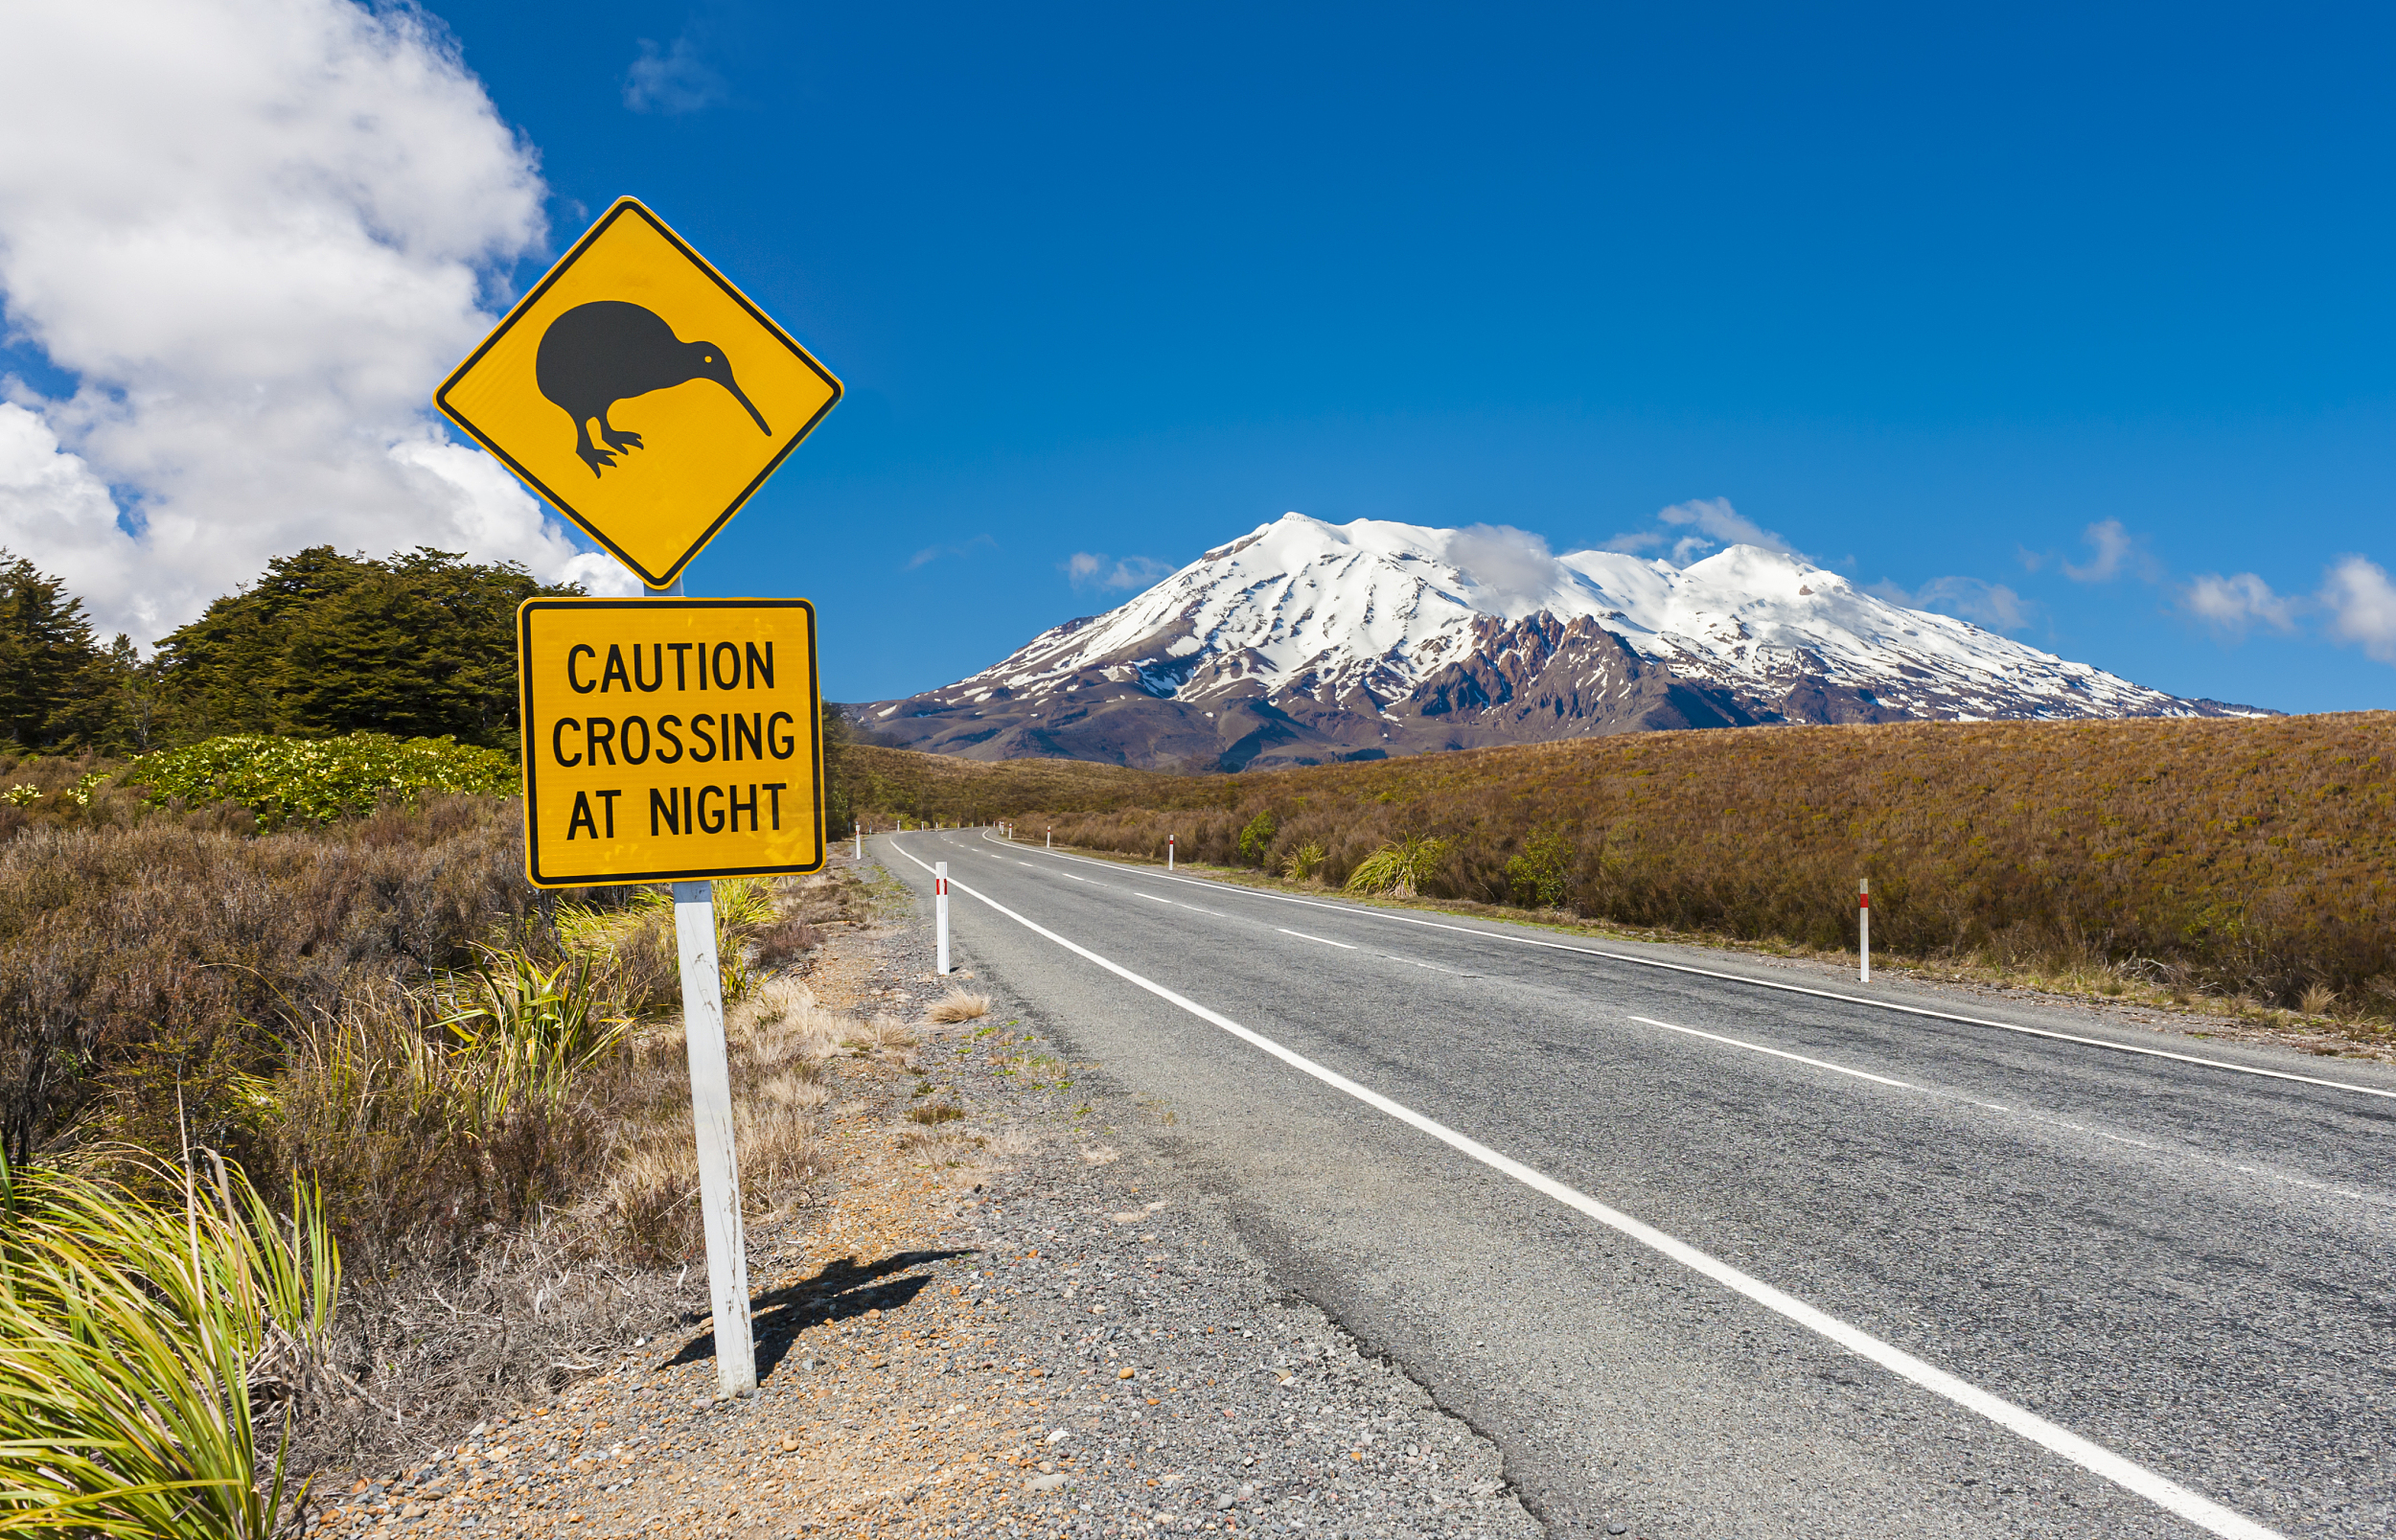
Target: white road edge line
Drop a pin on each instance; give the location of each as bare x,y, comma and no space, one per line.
1326,940
1778,1053
2152,1485
1758,983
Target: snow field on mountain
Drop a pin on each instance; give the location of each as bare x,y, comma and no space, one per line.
1301,604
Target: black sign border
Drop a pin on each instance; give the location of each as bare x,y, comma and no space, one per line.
524,719
620,208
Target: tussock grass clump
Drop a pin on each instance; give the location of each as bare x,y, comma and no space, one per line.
882,1037
944,1147
958,1005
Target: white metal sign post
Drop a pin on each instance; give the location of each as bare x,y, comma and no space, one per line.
711,1114
711,1119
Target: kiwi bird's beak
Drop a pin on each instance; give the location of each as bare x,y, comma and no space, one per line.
742,396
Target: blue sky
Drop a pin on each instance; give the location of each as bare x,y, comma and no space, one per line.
1933,296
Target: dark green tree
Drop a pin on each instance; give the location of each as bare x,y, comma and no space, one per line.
48,658
839,802
420,645
224,672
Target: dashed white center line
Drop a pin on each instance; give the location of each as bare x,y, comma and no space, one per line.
2048,1119
1326,941
1417,962
1777,1053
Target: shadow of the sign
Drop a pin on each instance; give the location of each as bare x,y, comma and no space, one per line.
842,1291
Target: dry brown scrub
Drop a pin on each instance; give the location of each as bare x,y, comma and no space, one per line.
2254,858
275,998
301,1000
139,957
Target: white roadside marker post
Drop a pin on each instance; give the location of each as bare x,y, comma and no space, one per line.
1863,924
860,832
1169,852
940,911
1051,844
711,1119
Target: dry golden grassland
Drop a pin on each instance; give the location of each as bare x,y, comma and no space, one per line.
2254,860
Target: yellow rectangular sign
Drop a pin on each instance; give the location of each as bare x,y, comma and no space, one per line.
669,740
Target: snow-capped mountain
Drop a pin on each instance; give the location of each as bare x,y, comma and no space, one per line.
1305,642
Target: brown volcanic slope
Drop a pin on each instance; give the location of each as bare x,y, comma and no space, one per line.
1535,681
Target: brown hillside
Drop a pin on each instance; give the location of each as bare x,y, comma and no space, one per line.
886,784
2252,856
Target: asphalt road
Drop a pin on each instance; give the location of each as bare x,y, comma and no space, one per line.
1905,1275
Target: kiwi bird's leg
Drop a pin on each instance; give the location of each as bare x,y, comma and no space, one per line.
591,456
616,438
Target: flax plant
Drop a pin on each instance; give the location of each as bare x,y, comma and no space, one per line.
139,1343
528,1033
1401,867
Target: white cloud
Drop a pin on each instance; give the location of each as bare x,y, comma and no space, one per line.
1984,604
2362,606
1086,569
2114,550
56,511
2230,604
933,553
672,79
1711,523
1512,565
257,233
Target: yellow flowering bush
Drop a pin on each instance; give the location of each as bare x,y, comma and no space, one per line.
319,779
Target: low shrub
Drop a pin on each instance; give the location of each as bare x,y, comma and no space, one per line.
319,779
1256,840
783,943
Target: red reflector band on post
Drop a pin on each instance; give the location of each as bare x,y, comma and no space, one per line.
1863,901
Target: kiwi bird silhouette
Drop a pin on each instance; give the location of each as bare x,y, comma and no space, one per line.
611,350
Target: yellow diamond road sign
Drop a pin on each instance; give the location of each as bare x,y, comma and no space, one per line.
640,393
